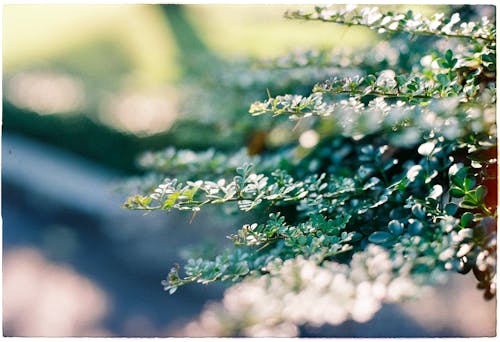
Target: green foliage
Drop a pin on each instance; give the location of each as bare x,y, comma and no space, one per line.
409,22
399,190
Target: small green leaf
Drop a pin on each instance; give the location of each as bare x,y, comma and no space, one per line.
491,58
468,204
395,227
443,79
240,170
379,237
170,201
451,209
302,240
401,79
448,55
143,201
452,63
469,183
480,193
466,219
442,63
456,192
356,237
418,211
415,226
458,177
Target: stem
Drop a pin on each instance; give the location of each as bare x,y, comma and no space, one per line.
377,93
485,209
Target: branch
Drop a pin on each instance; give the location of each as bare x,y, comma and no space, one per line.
247,189
399,22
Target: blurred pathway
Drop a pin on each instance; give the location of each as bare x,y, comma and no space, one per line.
63,208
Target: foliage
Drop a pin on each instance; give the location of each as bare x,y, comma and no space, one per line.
391,185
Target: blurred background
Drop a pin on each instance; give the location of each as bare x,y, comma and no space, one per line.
86,89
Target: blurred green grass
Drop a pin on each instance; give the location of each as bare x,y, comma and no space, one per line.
34,34
119,50
262,31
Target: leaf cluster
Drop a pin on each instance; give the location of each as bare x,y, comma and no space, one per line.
399,189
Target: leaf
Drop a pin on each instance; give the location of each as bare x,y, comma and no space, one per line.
171,200
491,58
189,193
451,209
142,201
448,55
480,193
468,204
457,175
452,63
469,183
456,192
466,219
418,211
443,79
442,63
395,227
379,237
401,79
415,227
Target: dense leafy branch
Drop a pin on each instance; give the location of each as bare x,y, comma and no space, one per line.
409,22
324,238
392,184
248,189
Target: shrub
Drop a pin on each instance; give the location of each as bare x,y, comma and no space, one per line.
390,186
